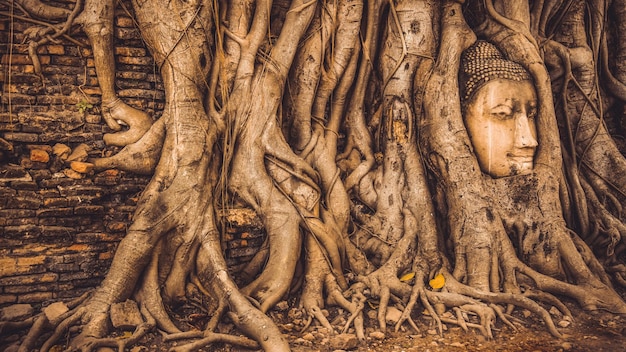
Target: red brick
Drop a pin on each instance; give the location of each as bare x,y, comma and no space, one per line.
23,60
35,297
6,299
130,52
124,21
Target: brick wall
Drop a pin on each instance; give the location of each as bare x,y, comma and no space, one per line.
59,228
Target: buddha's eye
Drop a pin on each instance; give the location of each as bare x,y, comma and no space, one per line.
531,113
502,112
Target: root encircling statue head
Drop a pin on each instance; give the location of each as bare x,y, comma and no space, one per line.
499,107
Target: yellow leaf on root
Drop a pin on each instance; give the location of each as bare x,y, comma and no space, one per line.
437,282
407,277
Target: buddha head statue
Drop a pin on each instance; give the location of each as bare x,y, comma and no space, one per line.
499,104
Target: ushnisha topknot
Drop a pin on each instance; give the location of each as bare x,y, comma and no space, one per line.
483,62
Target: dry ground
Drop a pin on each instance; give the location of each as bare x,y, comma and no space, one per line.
588,332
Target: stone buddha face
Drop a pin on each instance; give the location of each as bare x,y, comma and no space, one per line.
500,120
500,105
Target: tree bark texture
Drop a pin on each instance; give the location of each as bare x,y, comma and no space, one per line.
340,123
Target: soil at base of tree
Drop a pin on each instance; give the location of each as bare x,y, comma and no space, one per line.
599,331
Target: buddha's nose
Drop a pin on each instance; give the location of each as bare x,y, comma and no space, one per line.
524,132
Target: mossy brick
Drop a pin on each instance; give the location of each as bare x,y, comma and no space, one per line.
96,237
74,201
18,100
29,279
22,232
93,122
127,33
23,289
130,51
55,212
84,137
25,185
116,226
21,48
6,192
137,76
124,22
251,234
21,221
23,59
74,291
39,175
140,93
26,163
64,84
78,258
86,52
24,202
54,49
47,193
5,117
89,283
241,252
76,222
59,183
135,85
57,100
28,193
25,266
137,68
81,190
55,202
32,248
21,137
65,268
107,181
10,243
66,61
57,231
35,297
17,213
11,127
75,276
21,78
229,236
93,90
237,244
125,188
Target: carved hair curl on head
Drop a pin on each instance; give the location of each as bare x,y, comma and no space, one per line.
483,62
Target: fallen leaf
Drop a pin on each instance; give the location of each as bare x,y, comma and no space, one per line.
437,282
407,277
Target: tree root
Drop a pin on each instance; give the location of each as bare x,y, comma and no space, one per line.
140,157
116,113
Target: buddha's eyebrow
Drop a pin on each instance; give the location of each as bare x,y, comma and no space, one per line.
506,102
